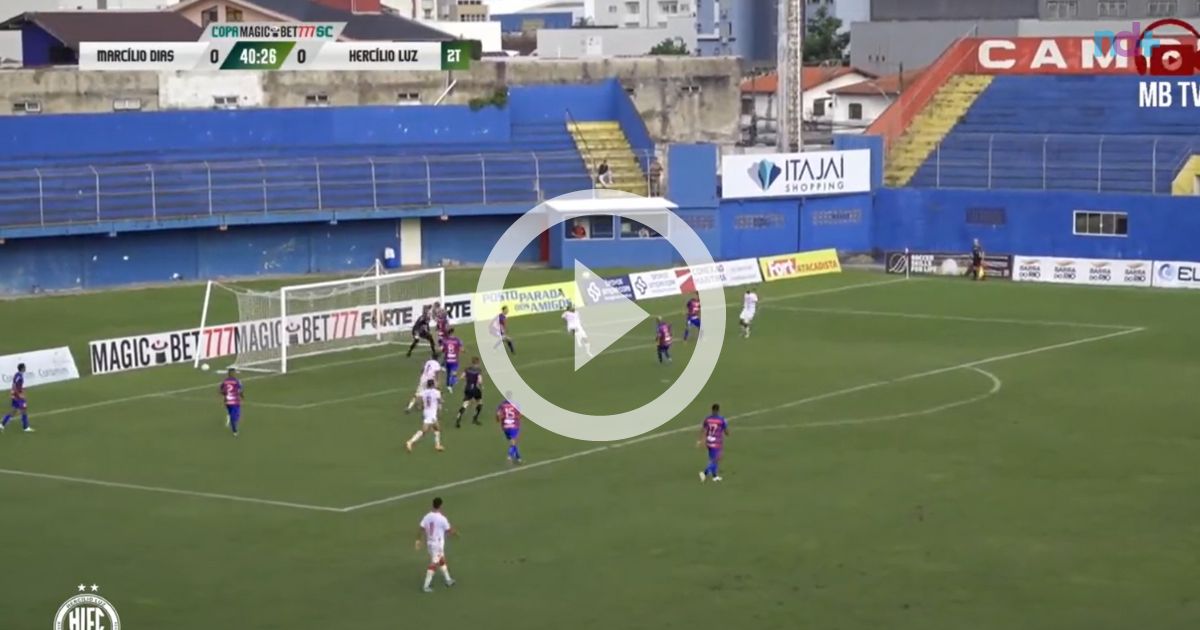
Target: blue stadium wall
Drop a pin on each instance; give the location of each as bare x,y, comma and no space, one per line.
1160,227
97,261
1035,223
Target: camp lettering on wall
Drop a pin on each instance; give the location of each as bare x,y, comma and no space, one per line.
1056,55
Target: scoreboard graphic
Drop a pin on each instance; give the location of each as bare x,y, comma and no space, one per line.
275,46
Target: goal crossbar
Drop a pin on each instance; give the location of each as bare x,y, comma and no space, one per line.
313,318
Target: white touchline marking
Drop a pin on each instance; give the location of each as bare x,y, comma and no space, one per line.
749,414
187,493
846,287
196,388
953,318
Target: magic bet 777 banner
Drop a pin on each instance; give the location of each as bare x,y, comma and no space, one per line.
275,46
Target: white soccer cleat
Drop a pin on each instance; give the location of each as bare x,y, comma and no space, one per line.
717,478
449,582
703,477
29,430
408,446
427,589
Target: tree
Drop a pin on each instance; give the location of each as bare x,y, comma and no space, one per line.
670,47
822,41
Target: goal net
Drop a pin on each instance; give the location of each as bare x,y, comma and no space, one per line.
271,328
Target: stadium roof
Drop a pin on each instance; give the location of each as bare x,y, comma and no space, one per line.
812,77
359,26
72,27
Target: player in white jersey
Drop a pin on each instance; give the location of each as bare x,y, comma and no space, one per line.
433,530
431,404
499,330
575,328
749,306
429,372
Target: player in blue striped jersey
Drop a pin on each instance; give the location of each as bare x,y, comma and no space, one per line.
19,404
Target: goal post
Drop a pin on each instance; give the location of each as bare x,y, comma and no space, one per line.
272,328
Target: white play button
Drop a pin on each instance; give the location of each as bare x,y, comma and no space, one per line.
605,314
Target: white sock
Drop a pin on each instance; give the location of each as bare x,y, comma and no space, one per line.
446,573
437,438
416,436
412,403
428,577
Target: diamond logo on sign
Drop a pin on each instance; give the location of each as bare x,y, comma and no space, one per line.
607,321
765,172
594,292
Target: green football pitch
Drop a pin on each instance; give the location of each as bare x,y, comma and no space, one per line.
924,454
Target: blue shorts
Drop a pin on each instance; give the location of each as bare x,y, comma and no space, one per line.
511,434
714,453
662,348
235,411
19,404
693,321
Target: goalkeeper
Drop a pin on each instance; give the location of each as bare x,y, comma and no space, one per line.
420,330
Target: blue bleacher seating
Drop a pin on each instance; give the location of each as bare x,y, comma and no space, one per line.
1066,132
539,161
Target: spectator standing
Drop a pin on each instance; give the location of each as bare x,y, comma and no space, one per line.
654,173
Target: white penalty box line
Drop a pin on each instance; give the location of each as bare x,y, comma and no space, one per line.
592,451
757,412
321,366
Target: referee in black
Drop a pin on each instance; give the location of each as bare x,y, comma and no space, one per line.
472,393
976,271
420,330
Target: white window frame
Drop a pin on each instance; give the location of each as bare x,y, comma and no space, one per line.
1112,214
27,106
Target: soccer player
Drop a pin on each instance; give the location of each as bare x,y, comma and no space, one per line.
441,318
420,330
451,349
429,373
749,306
472,391
232,395
431,403
500,330
19,404
662,336
509,418
576,329
693,317
433,528
712,435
